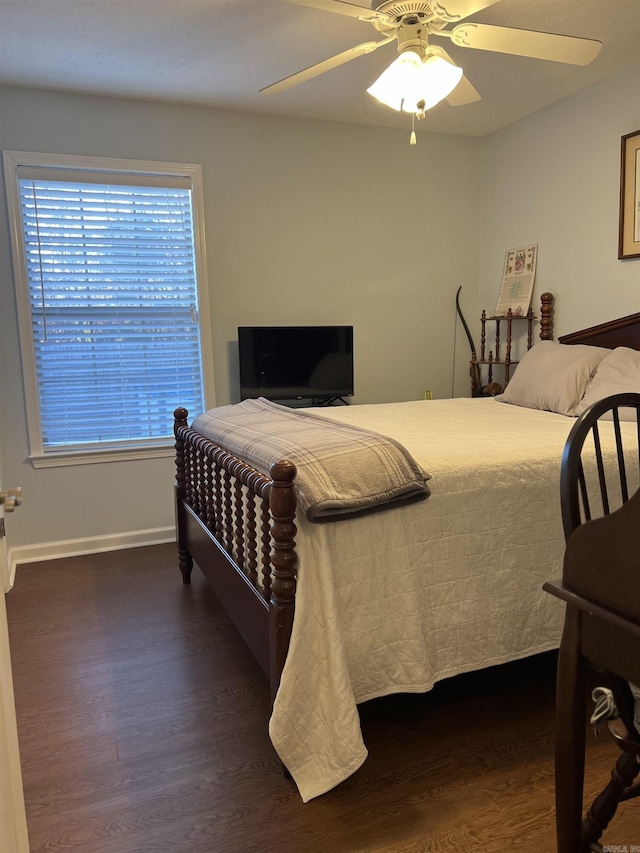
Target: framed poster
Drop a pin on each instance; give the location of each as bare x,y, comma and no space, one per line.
629,239
517,281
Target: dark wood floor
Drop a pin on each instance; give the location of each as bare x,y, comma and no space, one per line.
143,729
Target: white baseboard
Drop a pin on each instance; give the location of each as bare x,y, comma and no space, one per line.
90,545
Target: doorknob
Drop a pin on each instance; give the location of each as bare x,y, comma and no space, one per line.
11,498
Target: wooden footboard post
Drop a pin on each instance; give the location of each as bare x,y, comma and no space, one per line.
282,503
185,560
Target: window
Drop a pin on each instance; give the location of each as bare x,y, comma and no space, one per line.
107,268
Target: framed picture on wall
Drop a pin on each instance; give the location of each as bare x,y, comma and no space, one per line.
629,241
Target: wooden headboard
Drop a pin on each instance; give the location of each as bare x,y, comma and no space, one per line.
623,332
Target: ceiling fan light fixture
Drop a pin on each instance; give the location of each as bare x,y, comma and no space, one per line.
439,79
413,84
397,86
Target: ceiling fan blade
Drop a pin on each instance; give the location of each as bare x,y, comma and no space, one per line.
456,10
343,8
465,92
574,51
325,65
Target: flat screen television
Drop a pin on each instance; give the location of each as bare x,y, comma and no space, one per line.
296,362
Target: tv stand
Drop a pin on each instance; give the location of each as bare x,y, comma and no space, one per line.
329,401
306,402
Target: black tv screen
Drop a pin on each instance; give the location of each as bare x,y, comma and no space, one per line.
296,362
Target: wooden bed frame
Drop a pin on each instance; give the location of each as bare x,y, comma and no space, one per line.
238,525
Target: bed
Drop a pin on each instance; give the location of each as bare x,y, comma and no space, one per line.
340,610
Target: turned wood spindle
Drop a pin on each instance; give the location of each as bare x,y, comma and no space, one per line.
185,561
228,510
282,503
180,421
529,327
210,514
219,531
252,545
239,517
265,550
605,805
201,483
546,317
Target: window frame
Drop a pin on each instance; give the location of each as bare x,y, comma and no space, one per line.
100,451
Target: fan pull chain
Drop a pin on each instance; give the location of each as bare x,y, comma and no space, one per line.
420,114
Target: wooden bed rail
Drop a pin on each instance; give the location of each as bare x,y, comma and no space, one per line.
251,518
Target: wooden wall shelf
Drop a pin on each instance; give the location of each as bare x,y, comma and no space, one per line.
496,356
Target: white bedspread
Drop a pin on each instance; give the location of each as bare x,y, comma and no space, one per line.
399,600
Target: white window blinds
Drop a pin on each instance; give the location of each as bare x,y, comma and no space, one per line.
111,275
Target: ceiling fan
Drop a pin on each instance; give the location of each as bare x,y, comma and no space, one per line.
411,23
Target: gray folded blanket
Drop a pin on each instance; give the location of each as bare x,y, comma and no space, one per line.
342,470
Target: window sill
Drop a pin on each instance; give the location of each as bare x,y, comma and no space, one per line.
59,458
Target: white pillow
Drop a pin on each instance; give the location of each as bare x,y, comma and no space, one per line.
553,376
617,373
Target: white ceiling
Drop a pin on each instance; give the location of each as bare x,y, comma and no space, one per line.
221,52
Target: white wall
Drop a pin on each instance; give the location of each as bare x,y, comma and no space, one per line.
554,179
319,223
306,222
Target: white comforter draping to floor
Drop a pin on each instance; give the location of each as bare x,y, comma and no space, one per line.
398,600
